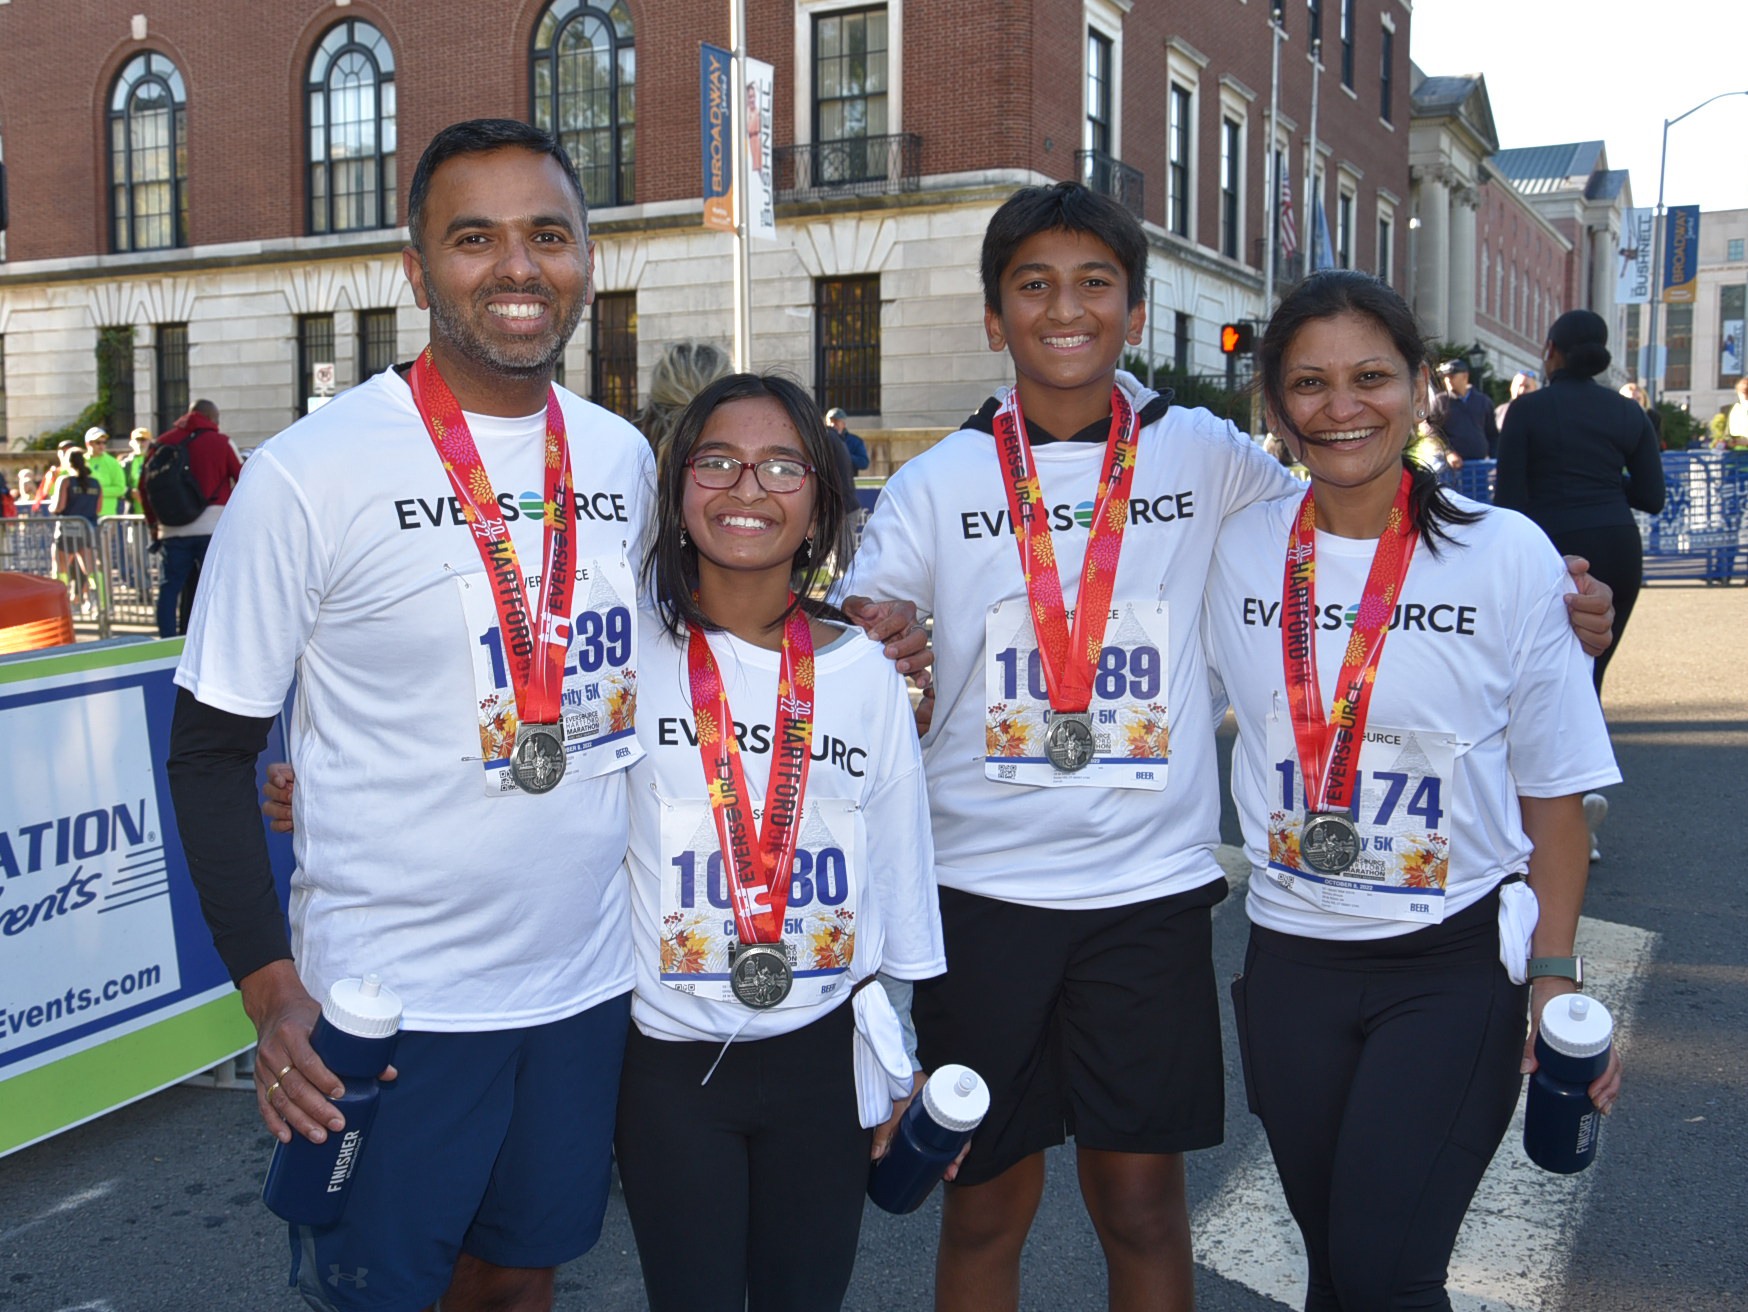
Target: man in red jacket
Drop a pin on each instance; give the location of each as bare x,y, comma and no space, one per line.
213,462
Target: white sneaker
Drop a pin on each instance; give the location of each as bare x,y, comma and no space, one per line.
1595,812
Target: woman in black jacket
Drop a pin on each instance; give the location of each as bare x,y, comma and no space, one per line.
1579,458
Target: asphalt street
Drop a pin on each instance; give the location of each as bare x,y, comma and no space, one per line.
155,1207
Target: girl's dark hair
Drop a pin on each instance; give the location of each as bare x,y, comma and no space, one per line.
1324,295
81,470
1581,336
670,566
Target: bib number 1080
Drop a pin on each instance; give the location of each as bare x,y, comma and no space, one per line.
823,875
1123,674
1424,804
598,638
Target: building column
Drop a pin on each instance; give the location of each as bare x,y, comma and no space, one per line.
1432,281
1460,326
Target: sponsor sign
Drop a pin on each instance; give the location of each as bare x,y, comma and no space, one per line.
761,190
1681,255
1633,280
716,123
109,985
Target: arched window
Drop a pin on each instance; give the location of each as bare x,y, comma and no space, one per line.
351,95
148,156
583,82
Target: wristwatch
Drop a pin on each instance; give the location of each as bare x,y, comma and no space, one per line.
1571,968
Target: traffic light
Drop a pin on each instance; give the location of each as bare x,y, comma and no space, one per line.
1237,338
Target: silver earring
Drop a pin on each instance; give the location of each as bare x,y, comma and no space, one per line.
685,538
804,553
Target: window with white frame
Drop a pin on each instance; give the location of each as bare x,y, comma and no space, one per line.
1344,229
1178,128
350,97
1098,134
1231,186
1347,21
583,85
1386,239
148,156
850,81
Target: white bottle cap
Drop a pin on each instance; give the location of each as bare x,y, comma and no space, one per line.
365,1008
956,1098
1577,1026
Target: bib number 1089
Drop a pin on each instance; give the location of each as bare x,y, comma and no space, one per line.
1124,674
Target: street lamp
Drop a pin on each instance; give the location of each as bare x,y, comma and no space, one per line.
1655,374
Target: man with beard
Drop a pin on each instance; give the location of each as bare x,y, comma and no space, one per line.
417,554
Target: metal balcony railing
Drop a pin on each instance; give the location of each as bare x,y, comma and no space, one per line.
1112,177
857,166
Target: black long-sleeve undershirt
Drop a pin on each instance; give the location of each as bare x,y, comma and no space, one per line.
212,785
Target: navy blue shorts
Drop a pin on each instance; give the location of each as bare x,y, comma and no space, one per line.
495,1144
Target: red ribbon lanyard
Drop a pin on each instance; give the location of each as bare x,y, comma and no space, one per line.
538,684
1329,751
1069,660
758,867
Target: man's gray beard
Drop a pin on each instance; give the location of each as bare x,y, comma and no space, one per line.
460,336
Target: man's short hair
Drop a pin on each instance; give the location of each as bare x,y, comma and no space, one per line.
205,407
1063,207
480,136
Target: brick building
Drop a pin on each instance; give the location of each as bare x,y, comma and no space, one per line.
204,204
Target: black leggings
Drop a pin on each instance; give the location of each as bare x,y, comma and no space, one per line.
1617,556
1385,1074
745,1193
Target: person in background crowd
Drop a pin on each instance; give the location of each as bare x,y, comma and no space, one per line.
77,496
8,503
1393,945
26,486
857,448
1636,394
685,368
107,470
213,462
1461,415
133,463
1521,382
1736,427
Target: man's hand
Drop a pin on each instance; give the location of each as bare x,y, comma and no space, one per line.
1591,608
894,624
277,791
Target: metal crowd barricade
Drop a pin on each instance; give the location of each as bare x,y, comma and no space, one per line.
37,544
130,568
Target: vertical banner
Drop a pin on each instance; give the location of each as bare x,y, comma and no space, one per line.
715,89
1633,284
1681,256
109,985
761,192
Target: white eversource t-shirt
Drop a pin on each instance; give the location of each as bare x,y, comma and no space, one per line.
343,561
863,896
940,536
1482,695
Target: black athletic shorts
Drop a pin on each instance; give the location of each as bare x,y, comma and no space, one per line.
1101,1024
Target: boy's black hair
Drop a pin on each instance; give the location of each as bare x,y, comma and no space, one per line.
1062,207
670,565
479,136
1324,295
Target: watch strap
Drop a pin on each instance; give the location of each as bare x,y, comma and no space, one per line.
1571,968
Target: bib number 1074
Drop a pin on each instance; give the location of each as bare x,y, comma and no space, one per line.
1424,804
1124,674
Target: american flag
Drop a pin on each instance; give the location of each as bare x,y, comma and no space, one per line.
1289,229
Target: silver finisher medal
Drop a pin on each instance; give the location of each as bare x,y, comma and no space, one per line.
537,760
759,974
1068,740
1329,842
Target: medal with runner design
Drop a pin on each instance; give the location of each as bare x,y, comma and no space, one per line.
1068,740
1329,842
537,761
759,974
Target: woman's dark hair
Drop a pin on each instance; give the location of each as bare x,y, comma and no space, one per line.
1324,295
1581,336
1062,207
670,566
81,470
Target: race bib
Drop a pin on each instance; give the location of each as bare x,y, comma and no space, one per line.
819,931
1131,730
1402,809
600,677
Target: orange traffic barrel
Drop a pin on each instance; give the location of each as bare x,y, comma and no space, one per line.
34,613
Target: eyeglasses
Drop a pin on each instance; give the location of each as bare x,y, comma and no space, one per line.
778,474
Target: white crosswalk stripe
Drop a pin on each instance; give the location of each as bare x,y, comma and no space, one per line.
1515,1245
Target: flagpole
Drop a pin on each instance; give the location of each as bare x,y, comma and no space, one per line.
1272,206
1311,147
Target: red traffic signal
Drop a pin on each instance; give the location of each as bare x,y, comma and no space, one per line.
1237,339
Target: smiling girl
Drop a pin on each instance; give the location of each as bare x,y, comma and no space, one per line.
761,1074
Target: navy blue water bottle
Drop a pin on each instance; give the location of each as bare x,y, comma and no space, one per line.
1560,1123
929,1136
355,1038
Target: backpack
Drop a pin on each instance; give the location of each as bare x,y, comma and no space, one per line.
168,486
